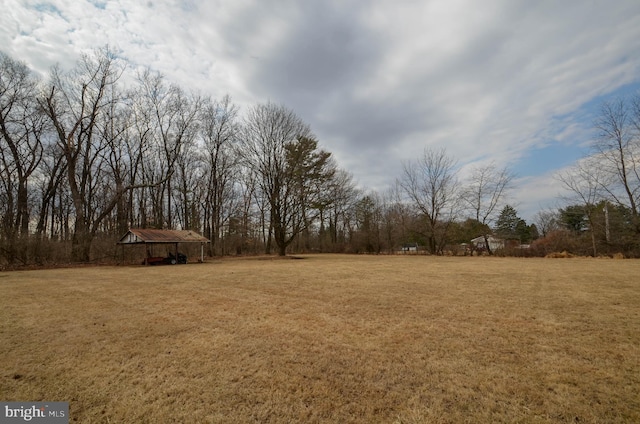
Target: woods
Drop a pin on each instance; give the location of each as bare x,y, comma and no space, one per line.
96,149
86,156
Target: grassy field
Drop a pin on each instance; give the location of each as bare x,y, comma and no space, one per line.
399,339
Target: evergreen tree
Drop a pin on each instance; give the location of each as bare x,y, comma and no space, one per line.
508,223
574,218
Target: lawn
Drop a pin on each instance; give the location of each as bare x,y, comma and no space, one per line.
328,338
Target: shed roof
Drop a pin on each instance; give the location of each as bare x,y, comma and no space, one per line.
491,239
143,235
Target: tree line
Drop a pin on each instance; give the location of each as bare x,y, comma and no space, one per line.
92,151
605,185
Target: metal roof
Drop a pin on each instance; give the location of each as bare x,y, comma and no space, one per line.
143,235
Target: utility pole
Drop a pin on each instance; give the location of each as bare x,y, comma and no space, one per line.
606,222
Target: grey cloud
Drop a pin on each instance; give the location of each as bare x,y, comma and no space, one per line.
380,81
323,50
514,68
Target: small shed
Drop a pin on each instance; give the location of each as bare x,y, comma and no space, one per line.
150,237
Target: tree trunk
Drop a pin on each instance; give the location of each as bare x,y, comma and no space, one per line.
22,208
81,243
487,245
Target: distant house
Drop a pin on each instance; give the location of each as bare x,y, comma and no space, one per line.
480,244
412,247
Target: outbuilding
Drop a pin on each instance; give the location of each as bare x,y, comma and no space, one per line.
151,237
480,244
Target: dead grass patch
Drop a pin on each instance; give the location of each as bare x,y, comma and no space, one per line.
399,339
555,255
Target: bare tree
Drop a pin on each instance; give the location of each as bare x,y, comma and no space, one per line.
80,105
431,184
368,211
183,151
396,217
547,221
333,215
189,172
21,146
174,119
140,152
245,232
52,172
280,148
74,103
585,180
131,135
617,149
484,194
219,132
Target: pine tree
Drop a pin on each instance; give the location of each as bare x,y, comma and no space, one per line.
508,223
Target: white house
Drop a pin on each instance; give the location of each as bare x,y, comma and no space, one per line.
494,243
411,248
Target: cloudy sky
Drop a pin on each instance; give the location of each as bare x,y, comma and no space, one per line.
512,81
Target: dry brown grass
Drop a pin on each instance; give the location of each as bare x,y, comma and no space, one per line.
404,339
563,254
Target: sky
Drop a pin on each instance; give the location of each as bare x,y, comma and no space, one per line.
514,82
